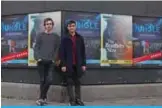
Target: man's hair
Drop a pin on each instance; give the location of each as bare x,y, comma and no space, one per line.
48,19
68,23
71,22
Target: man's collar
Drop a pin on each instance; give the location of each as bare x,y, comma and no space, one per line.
76,34
48,32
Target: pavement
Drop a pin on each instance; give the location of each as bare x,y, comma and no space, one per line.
129,101
89,93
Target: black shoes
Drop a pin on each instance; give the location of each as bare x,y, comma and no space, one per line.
72,103
77,102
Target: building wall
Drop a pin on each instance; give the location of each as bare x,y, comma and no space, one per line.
93,75
128,7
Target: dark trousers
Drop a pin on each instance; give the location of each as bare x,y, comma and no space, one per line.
63,81
45,73
74,79
62,76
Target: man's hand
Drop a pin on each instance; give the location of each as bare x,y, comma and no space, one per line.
57,62
63,69
39,60
84,68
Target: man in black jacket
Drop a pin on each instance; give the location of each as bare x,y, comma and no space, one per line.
73,60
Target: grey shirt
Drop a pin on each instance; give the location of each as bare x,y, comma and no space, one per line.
46,47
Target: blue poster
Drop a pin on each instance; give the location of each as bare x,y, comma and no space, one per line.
14,38
88,26
147,35
147,28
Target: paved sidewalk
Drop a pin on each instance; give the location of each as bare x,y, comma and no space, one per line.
89,93
130,101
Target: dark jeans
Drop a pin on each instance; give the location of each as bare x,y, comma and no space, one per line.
74,79
63,78
45,72
64,81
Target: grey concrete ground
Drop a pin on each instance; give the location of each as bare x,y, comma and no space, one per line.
128,101
89,93
136,94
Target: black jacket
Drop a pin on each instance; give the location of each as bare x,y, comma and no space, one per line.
66,54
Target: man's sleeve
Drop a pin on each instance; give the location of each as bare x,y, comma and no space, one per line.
83,52
37,47
62,52
57,45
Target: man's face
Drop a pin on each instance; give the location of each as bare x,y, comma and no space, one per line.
71,27
48,25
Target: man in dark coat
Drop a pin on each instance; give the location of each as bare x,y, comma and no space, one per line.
73,60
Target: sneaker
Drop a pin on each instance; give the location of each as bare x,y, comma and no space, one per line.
40,102
79,102
45,101
73,103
